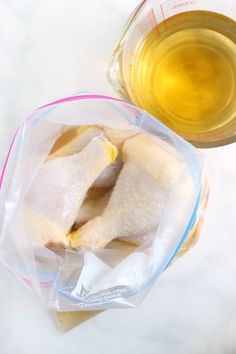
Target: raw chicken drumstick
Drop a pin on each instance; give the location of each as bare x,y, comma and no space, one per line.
136,203
60,187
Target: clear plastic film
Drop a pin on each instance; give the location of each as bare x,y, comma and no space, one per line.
121,274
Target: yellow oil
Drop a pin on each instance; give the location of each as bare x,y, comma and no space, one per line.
184,73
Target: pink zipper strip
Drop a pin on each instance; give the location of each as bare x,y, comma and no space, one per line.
7,158
80,97
43,284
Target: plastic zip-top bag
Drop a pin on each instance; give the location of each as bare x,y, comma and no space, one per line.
97,197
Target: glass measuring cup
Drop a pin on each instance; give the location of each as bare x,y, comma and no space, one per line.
202,108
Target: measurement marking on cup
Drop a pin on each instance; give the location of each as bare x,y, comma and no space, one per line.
153,18
170,8
185,3
162,12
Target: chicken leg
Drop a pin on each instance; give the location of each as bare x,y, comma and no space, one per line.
135,206
59,189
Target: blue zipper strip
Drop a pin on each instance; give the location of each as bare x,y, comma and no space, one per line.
188,229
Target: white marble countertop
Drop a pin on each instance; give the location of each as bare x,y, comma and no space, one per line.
49,49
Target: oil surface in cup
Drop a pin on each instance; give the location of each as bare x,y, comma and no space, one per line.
184,73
